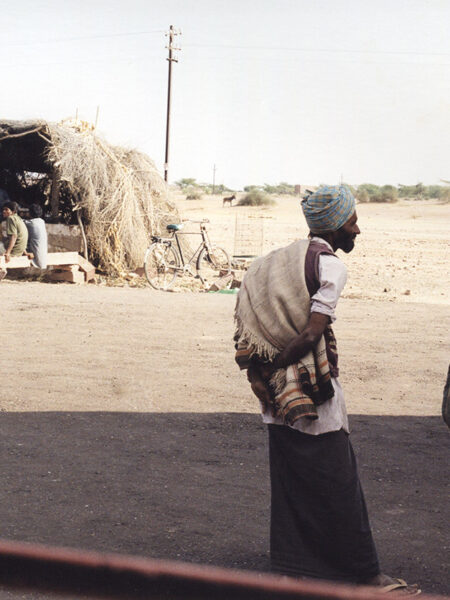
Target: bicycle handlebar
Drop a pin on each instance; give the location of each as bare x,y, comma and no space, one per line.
193,221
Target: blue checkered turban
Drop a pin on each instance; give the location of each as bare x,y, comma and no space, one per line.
328,208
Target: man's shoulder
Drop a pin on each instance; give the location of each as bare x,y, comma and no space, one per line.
20,222
334,260
319,246
15,218
12,222
332,268
36,223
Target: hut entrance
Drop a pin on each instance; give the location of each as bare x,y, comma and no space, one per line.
116,195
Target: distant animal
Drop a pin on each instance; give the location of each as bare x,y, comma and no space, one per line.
229,200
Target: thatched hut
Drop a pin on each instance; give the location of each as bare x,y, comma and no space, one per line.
116,195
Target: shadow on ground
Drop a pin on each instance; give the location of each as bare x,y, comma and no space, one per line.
196,487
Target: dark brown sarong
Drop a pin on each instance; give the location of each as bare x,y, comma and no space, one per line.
319,522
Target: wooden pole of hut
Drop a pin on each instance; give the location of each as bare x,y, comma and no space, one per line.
54,200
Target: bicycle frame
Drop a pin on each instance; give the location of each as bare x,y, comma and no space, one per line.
166,257
205,243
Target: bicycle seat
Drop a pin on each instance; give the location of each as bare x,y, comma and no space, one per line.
174,227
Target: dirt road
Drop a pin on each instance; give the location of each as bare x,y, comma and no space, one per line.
126,426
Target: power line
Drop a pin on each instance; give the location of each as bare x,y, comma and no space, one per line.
330,50
284,59
141,57
230,46
84,37
110,59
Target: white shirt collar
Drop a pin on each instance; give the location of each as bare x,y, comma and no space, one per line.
322,241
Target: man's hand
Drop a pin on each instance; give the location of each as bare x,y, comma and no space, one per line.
7,257
260,373
259,376
303,343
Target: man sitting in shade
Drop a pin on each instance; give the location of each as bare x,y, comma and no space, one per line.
284,311
37,237
15,242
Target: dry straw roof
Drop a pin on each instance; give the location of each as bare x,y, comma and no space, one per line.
121,195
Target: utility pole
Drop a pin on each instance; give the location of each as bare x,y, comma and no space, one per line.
171,59
214,179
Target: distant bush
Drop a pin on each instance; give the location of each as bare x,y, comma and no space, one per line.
369,192
412,191
444,194
424,192
387,193
251,188
433,191
362,196
370,188
193,194
256,198
383,199
281,188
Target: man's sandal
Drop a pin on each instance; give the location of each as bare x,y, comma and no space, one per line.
399,585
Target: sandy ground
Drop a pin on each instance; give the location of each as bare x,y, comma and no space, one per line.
126,426
136,349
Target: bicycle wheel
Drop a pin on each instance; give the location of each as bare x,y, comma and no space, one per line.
160,265
213,262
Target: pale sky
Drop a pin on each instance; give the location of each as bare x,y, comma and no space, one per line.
303,91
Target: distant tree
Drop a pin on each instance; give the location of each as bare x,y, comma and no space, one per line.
186,182
362,195
370,188
438,191
207,188
281,188
387,193
369,192
221,189
420,190
445,194
268,189
250,188
433,191
193,193
412,191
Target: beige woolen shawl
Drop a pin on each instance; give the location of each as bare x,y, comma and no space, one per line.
272,307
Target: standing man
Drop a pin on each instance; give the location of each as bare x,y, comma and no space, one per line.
37,237
284,311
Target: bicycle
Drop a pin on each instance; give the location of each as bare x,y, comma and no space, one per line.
165,258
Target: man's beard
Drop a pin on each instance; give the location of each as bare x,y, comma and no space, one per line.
348,245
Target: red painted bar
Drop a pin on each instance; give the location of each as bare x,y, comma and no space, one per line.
43,568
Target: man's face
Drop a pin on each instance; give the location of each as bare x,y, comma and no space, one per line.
7,212
345,235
